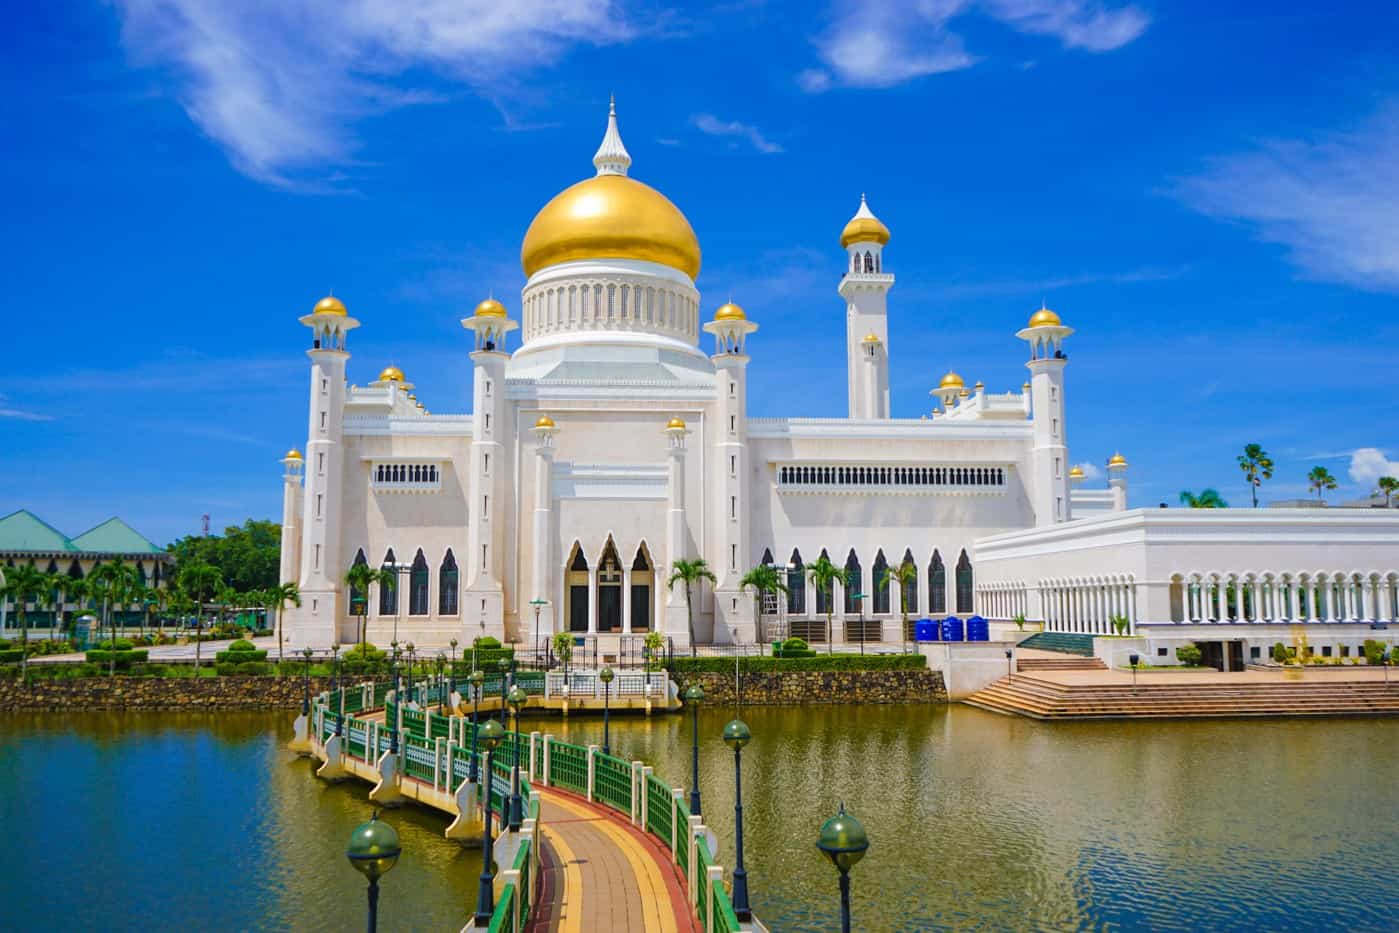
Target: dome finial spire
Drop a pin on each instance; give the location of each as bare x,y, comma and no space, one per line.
612,157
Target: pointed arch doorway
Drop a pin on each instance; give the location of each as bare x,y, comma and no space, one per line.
576,591
609,590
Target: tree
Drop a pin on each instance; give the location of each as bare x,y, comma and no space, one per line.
76,591
691,573
227,598
823,574
22,583
198,581
1257,467
1319,480
277,599
358,578
115,583
905,574
156,599
563,650
1207,499
248,556
1387,487
762,579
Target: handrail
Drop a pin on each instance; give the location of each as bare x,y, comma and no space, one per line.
429,740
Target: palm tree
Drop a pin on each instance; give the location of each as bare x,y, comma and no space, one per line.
905,573
1320,479
1257,467
115,582
1387,487
22,583
198,580
691,573
1207,499
227,598
277,597
359,577
76,591
762,579
824,574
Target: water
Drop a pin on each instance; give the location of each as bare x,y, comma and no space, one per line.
976,821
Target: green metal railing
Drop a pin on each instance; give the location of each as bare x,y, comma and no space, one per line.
605,779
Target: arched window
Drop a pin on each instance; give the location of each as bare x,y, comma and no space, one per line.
359,602
910,583
869,262
642,579
824,596
881,584
854,579
447,586
418,586
964,583
388,595
796,585
937,586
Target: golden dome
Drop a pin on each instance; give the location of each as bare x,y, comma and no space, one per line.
864,227
676,422
1076,473
951,381
293,454
490,308
1044,318
330,305
1117,460
391,374
871,338
963,393
610,217
544,422
730,312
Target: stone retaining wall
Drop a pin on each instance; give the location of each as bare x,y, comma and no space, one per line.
157,693
773,689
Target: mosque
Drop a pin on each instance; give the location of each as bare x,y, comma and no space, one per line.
607,445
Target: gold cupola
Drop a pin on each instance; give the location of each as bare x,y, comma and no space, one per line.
330,305
675,424
544,421
951,381
490,308
391,374
611,216
864,227
730,312
1044,318
1117,460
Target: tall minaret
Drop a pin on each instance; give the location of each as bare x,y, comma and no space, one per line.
323,493
1050,457
1117,481
728,494
290,567
677,532
865,288
542,546
483,607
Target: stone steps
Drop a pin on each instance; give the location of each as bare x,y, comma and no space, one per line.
1067,663
1039,699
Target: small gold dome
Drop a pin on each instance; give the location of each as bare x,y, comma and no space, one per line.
1044,318
979,385
963,393
293,454
330,305
391,374
490,308
1076,473
544,421
864,227
951,381
676,422
730,312
870,338
1117,460
610,217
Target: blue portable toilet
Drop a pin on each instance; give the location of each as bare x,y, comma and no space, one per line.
925,630
978,629
952,629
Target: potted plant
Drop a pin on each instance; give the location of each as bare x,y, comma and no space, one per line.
1019,621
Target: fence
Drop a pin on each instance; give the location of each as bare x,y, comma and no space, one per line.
436,750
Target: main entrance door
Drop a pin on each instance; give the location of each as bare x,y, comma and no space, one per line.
578,593
609,591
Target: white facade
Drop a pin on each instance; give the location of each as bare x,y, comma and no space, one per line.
608,445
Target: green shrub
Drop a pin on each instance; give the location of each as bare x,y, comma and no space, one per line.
1280,652
1374,651
365,652
242,644
486,641
240,657
122,659
255,668
1189,654
798,644
11,655
827,662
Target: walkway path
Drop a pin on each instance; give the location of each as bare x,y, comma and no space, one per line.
601,873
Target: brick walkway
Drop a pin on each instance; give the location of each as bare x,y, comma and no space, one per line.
601,873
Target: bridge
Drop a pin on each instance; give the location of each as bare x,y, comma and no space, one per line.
602,843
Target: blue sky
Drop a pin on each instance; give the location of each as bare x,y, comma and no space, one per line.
1207,193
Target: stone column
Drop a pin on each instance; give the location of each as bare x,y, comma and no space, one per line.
626,598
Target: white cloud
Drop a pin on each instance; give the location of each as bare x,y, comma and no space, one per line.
1368,464
880,43
1090,470
279,84
713,126
1330,201
17,414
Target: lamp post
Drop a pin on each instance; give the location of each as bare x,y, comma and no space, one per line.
491,735
306,682
1133,659
339,691
844,841
441,684
373,850
1384,662
538,605
860,598
399,571
737,735
605,675
693,695
476,679
503,665
412,656
518,698
453,675
1010,662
